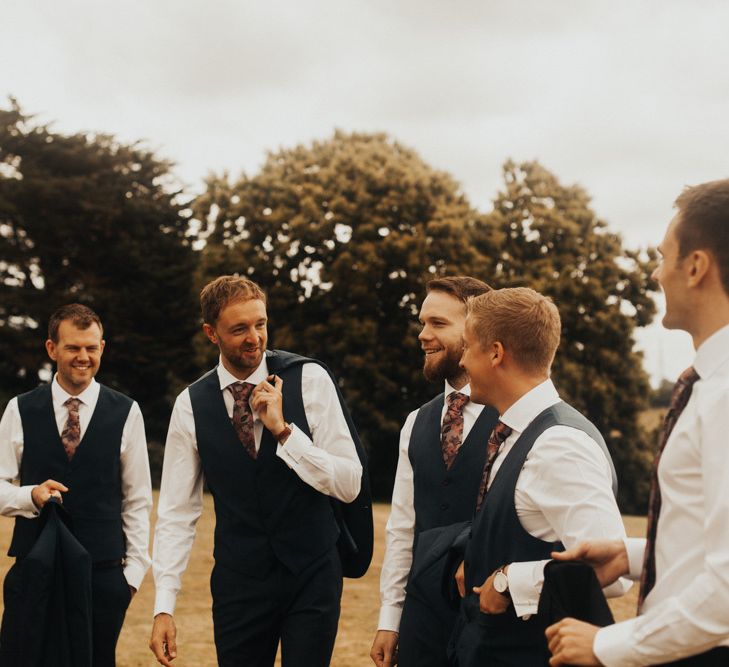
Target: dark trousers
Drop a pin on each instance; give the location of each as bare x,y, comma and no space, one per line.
110,599
425,629
718,657
251,615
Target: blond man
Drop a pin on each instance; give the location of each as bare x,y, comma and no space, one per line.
548,479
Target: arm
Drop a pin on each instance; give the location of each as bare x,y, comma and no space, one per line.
564,493
178,509
328,461
136,497
14,500
398,558
696,616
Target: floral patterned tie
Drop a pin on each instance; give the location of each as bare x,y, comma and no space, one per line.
451,432
679,399
243,416
71,434
496,439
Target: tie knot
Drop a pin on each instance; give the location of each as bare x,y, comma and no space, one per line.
689,376
502,431
241,390
456,400
72,404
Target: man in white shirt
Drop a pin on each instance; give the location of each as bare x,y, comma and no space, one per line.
685,561
273,449
78,440
548,480
441,456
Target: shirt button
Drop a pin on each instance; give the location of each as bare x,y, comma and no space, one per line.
444,506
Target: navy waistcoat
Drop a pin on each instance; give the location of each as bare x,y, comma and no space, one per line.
263,511
443,497
93,475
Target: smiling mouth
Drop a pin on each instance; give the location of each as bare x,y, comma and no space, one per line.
427,352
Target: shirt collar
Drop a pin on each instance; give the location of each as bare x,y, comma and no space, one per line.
226,378
465,390
535,401
712,353
88,396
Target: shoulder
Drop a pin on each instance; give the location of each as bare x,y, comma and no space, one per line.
560,443
115,396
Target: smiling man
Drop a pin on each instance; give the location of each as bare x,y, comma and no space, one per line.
441,456
78,440
683,564
548,481
273,449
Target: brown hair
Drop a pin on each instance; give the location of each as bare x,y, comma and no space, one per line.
525,322
223,290
461,287
703,223
82,317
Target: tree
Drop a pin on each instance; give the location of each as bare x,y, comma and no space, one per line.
343,234
554,243
86,218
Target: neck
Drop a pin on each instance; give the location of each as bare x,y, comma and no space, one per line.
72,390
714,318
516,388
238,373
459,382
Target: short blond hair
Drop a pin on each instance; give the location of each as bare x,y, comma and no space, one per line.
525,322
218,293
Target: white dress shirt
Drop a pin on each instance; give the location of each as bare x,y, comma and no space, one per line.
400,530
328,462
136,486
687,612
564,493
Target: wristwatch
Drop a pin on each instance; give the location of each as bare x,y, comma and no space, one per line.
501,582
285,433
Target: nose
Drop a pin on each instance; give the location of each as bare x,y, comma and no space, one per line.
82,354
424,334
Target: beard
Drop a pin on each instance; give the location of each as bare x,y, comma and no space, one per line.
446,368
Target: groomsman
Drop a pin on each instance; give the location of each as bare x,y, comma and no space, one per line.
683,563
77,440
438,474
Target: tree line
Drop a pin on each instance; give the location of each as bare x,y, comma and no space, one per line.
342,234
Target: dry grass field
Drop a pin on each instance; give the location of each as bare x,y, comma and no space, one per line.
195,643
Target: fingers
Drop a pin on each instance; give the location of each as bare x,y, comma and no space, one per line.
53,485
578,552
50,488
461,580
163,642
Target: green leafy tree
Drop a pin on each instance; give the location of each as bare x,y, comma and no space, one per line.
86,218
554,243
343,235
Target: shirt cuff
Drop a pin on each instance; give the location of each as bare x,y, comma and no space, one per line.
134,574
165,602
635,548
296,447
390,619
26,506
525,586
612,645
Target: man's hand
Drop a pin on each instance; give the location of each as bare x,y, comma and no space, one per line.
163,642
267,401
490,601
570,642
608,558
384,648
460,578
50,488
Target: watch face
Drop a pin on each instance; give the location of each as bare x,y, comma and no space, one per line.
501,583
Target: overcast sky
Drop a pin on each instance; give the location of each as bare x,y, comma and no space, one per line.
629,99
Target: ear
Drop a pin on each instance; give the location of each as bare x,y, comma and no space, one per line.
102,345
496,354
51,349
210,333
698,265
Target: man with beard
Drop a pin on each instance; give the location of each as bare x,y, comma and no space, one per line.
272,449
442,455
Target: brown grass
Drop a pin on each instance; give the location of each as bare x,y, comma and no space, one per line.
360,603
